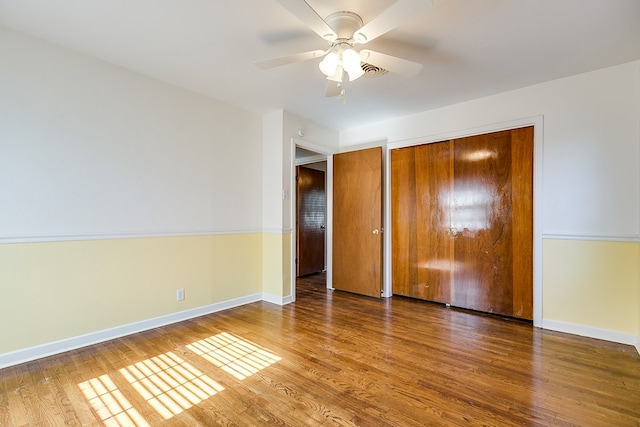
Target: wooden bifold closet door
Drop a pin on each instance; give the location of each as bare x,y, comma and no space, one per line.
462,222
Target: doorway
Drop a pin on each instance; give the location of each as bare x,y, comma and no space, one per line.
315,161
311,218
339,253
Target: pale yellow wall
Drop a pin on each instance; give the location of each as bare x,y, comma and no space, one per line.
57,290
592,283
272,264
286,265
276,270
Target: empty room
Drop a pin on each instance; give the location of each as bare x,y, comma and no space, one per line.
321,212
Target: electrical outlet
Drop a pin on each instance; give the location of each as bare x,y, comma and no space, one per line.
180,294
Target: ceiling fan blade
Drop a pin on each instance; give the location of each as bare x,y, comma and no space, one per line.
291,59
333,88
310,17
396,14
391,63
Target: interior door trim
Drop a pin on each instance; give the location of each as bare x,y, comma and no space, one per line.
537,122
326,153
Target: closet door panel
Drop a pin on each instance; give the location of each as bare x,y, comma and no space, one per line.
404,251
493,220
482,223
421,247
434,243
522,208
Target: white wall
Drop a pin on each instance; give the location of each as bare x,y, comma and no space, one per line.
272,153
313,134
90,149
279,128
91,153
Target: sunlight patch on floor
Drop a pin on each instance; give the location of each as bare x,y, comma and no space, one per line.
238,357
110,404
170,384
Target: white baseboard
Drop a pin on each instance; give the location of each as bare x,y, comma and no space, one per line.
56,347
49,349
274,299
591,332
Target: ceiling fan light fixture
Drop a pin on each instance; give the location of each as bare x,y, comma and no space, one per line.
350,59
329,64
337,75
355,74
351,63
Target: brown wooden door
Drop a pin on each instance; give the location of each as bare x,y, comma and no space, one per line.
311,220
480,212
357,222
492,223
421,245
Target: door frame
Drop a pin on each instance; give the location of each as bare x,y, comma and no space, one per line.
324,154
537,122
310,263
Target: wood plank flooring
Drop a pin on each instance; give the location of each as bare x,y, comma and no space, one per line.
332,358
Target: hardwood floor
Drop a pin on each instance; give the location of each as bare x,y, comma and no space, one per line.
332,358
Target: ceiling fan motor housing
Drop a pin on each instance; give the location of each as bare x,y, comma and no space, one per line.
344,24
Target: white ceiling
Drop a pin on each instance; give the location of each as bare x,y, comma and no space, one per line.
469,48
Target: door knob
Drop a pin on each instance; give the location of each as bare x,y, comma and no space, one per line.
322,227
376,231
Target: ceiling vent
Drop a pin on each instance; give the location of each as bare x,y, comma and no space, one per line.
373,71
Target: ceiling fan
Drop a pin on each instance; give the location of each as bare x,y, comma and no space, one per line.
344,30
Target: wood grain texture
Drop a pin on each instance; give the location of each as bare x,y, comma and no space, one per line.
421,217
404,223
482,216
522,207
493,212
462,222
357,212
435,179
348,360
